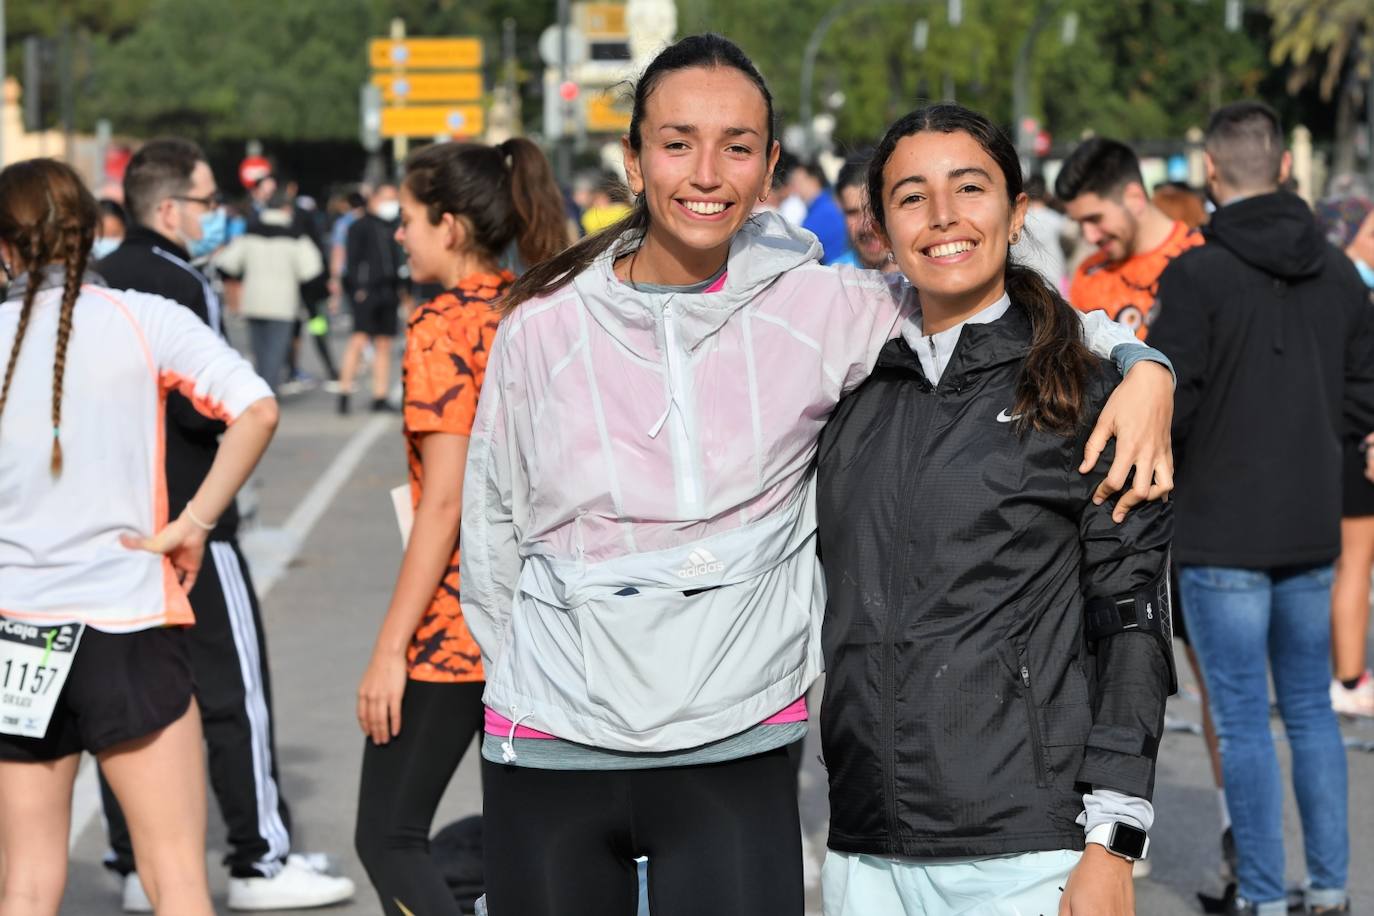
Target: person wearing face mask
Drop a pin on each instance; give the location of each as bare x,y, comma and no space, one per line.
114,225
372,285
173,204
273,258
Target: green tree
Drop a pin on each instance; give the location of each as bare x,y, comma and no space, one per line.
1330,42
265,69
1137,69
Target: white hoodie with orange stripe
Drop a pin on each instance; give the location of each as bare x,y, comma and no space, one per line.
61,560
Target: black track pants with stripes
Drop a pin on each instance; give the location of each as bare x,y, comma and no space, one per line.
229,663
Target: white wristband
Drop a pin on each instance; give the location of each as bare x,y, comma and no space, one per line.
195,521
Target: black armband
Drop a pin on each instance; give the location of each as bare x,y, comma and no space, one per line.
1148,609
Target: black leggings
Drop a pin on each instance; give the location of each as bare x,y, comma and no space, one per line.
722,839
401,786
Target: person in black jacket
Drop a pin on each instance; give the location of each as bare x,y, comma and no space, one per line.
1270,329
976,732
372,283
172,202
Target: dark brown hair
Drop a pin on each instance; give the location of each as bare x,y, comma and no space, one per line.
160,169
47,217
1054,376
503,193
693,51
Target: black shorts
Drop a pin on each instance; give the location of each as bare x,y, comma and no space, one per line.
1358,497
122,686
376,316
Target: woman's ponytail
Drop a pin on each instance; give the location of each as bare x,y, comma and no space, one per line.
1051,392
538,203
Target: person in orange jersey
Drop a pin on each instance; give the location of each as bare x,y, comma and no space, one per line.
1103,191
420,701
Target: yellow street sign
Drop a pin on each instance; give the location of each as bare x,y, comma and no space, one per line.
601,20
433,121
425,54
607,113
411,88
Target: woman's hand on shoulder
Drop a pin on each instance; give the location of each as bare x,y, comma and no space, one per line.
1140,415
1100,885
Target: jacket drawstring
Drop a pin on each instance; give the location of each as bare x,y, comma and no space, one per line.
508,746
670,349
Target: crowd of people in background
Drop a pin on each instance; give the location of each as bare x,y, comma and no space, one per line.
647,403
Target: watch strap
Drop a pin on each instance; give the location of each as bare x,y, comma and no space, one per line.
1103,835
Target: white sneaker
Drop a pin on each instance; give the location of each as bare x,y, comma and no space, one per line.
135,898
1357,701
301,884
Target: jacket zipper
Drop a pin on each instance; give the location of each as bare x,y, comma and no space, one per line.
1037,749
682,451
888,723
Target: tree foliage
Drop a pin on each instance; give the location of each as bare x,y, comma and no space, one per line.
1135,69
1306,30
287,72
249,68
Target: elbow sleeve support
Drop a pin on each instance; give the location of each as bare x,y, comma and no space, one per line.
1148,609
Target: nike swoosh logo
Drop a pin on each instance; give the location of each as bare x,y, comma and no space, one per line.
1005,417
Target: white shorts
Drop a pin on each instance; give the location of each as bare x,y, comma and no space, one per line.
1025,884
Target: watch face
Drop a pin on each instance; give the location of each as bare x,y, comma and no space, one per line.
1128,841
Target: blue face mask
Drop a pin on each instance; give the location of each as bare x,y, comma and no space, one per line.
214,232
1366,273
104,247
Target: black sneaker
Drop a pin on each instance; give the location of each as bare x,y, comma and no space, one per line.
382,405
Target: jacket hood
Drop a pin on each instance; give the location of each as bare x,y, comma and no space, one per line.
1275,233
766,247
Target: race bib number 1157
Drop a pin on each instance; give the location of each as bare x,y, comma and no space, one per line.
34,663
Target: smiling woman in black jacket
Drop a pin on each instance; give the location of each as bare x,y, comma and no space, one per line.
975,728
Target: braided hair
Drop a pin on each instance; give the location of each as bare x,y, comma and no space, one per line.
47,217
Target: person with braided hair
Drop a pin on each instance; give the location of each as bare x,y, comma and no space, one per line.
88,552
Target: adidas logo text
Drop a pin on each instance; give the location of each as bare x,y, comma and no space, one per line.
700,562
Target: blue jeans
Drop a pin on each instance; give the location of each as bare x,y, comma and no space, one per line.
1238,618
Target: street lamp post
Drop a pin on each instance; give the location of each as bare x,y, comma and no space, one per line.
1020,85
813,47
565,109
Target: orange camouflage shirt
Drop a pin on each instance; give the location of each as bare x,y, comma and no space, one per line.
447,342
1127,291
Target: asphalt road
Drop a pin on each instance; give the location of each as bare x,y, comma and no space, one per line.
326,543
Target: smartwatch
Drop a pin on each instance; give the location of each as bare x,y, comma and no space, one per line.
1130,843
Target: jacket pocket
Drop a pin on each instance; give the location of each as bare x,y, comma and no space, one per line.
1037,744
661,657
